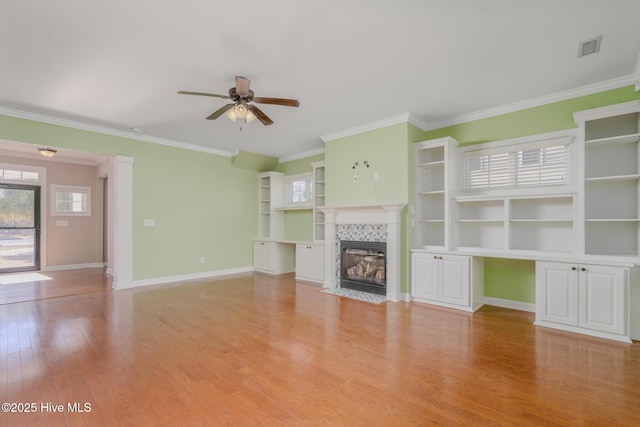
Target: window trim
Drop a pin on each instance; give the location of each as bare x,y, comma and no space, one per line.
58,188
288,179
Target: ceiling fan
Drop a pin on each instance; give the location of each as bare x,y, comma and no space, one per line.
242,106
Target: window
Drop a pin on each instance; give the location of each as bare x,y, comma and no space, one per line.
18,173
299,190
70,200
518,165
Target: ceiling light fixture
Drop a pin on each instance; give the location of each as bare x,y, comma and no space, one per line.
240,111
47,152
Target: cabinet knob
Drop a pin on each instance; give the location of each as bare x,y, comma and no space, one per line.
583,269
573,268
435,257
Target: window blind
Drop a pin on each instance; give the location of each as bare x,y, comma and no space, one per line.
525,165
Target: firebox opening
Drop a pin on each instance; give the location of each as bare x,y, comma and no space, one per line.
363,266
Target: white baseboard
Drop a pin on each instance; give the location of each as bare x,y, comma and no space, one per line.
187,277
73,266
405,296
515,305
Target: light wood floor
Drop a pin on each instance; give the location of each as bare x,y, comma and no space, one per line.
253,350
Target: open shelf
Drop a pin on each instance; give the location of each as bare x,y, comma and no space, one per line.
481,210
613,238
542,209
546,236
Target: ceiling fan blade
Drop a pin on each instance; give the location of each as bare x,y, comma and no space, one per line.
260,115
277,101
184,92
242,85
220,111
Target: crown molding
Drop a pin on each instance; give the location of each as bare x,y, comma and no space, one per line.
402,118
108,131
536,102
301,155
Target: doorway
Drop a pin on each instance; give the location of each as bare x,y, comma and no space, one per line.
19,228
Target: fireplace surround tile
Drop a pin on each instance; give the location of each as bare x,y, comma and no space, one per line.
357,233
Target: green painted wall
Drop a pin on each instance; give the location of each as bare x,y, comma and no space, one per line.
299,165
513,279
386,150
201,204
532,121
510,279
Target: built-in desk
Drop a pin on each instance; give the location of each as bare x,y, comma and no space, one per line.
274,256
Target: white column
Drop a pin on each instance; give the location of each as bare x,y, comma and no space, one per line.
123,222
329,248
393,252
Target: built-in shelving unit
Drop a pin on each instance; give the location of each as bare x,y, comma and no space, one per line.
271,220
570,200
318,200
264,194
433,171
611,180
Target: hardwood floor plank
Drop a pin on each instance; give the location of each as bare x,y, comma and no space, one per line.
260,350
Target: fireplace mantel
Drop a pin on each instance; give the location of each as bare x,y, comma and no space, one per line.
388,214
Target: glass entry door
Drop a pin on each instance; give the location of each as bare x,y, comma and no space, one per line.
19,228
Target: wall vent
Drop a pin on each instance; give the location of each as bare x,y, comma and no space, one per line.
590,46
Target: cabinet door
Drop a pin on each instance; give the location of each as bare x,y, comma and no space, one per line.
315,262
263,256
424,276
602,298
310,262
557,292
454,280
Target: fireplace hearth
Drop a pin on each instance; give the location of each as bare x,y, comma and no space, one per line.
363,266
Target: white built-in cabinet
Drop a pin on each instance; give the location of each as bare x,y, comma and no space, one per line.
310,262
583,232
273,257
318,200
454,281
585,298
271,252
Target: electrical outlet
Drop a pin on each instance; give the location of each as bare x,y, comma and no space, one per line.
355,178
201,260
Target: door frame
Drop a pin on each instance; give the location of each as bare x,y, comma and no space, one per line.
37,226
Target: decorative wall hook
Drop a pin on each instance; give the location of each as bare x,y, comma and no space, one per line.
357,163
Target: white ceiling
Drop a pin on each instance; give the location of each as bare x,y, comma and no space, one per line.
119,63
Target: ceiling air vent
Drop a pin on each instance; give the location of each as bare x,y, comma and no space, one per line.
590,46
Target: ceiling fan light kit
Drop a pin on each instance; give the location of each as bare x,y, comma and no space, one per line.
242,106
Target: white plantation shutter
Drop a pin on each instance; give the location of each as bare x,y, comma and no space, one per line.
523,165
299,190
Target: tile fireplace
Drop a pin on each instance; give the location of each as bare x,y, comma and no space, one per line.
374,228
